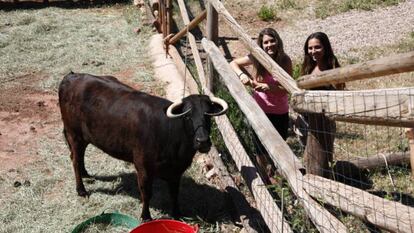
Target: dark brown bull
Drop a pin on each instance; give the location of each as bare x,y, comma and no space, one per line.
158,136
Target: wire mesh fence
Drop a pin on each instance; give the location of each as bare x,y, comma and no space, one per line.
366,167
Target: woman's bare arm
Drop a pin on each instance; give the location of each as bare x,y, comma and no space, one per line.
237,64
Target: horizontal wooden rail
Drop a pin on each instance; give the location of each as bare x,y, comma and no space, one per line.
391,107
188,27
381,160
389,215
384,66
284,78
277,148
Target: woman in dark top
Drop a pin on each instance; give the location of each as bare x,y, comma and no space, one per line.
318,57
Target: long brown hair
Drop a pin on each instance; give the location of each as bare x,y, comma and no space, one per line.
279,57
328,58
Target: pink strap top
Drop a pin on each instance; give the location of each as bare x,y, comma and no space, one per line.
272,102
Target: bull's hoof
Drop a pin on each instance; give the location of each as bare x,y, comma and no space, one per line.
176,214
146,219
82,193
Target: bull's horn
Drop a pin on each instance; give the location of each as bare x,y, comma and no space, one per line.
220,102
171,108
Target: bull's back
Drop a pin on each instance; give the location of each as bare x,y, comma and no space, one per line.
109,114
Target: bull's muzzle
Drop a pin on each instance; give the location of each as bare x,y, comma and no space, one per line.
202,142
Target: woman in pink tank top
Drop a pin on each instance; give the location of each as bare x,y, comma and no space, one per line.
267,91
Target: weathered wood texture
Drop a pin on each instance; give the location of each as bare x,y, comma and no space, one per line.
166,66
169,16
265,203
212,34
277,148
246,212
193,44
162,17
383,213
381,160
284,78
392,107
188,27
410,135
384,66
189,83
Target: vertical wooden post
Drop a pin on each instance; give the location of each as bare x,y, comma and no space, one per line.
410,135
212,34
160,14
168,17
163,18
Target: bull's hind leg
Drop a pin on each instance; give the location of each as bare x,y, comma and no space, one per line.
145,179
77,148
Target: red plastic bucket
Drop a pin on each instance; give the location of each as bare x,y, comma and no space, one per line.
165,226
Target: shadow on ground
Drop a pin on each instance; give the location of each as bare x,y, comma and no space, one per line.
197,201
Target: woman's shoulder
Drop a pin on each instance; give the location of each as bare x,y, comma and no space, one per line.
285,59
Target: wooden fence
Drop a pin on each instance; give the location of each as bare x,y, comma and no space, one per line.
389,107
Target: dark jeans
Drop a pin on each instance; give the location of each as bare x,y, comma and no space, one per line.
281,123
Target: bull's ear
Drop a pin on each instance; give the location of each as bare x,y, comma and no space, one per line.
217,107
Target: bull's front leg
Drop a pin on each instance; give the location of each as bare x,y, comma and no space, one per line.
145,188
174,187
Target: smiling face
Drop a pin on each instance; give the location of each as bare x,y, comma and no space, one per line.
316,49
269,45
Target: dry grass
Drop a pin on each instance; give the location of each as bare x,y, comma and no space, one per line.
54,41
41,197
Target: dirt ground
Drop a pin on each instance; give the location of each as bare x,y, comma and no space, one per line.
30,117
26,114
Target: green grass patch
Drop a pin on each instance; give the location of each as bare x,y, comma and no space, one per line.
267,13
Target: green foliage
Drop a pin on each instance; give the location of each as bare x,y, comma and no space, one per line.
297,69
236,118
406,45
267,13
294,213
403,145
